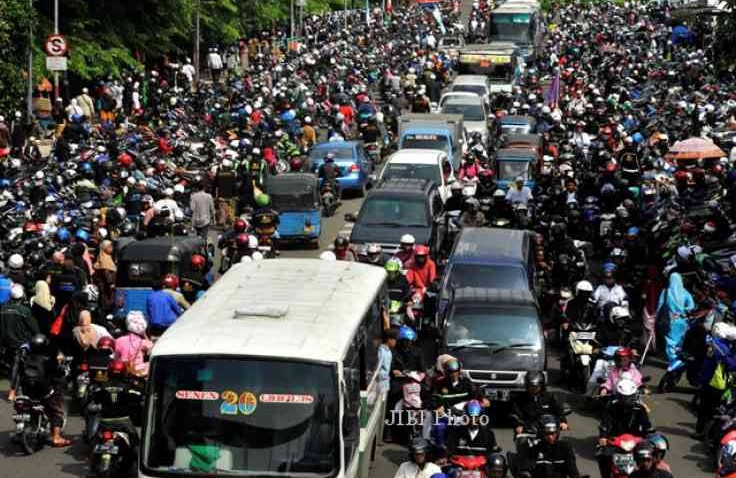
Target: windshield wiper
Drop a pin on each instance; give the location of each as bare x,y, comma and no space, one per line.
512,346
387,224
473,345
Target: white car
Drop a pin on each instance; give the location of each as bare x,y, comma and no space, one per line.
475,114
419,164
478,84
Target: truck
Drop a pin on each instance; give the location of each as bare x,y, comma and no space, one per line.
496,60
443,132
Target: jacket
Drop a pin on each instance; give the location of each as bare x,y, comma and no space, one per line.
553,460
620,417
462,391
162,308
460,441
409,469
528,408
17,325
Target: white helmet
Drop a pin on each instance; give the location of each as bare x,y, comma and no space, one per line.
15,261
246,259
328,256
168,192
583,286
373,248
92,292
226,163
408,239
546,110
17,292
39,175
252,242
619,312
626,387
179,188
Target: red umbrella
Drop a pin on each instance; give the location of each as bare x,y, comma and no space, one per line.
695,148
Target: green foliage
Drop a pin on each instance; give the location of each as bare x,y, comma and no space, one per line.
15,19
725,37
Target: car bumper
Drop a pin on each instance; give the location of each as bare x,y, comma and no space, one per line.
352,182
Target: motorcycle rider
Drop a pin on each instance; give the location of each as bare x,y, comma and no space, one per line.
343,252
497,466
456,201
373,255
118,399
452,388
624,369
551,457
43,379
329,172
405,358
661,445
422,272
17,327
473,217
579,307
609,291
405,254
535,402
162,309
518,192
266,220
419,465
473,438
646,462
196,279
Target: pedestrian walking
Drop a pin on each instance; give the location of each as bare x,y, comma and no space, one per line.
203,210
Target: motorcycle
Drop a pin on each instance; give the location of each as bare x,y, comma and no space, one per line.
113,450
580,366
32,425
467,466
621,449
411,402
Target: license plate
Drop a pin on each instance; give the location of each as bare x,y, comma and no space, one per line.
106,448
264,248
585,335
495,394
624,462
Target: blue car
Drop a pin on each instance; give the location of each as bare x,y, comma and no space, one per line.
296,198
351,158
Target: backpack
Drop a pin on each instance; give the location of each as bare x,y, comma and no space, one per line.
33,376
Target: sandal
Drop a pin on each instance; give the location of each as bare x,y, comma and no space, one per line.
63,442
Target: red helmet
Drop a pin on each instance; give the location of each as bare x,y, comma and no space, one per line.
687,228
160,166
681,176
106,343
710,227
116,368
197,261
31,226
125,160
171,281
240,225
296,164
421,251
624,352
242,239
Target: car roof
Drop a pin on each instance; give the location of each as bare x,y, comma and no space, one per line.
416,156
466,100
160,249
491,245
500,297
515,8
518,152
336,144
517,119
403,186
470,80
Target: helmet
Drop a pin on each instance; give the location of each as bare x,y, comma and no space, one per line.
497,466
197,261
39,341
82,235
452,365
408,240
17,292
341,243
125,160
240,225
626,387
422,250
419,445
171,281
534,378
15,261
116,368
407,333
583,286
660,443
373,248
328,256
263,200
623,352
106,343
393,265
473,408
619,314
242,239
549,424
643,451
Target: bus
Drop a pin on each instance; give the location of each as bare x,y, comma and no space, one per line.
273,372
520,23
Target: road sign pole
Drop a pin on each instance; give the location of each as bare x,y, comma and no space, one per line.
57,86
29,99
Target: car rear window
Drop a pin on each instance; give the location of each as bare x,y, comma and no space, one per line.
487,276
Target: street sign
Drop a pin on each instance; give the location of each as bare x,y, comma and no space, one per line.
56,63
56,45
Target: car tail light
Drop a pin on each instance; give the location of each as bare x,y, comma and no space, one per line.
107,435
83,367
354,168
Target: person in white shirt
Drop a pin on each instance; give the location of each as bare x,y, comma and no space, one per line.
518,193
188,71
214,63
418,466
609,291
168,202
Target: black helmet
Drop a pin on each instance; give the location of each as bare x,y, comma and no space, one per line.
497,465
534,378
419,445
549,424
644,450
341,243
39,341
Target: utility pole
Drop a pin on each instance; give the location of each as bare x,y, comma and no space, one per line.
291,22
57,86
29,98
196,45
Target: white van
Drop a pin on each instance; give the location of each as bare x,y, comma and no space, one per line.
419,164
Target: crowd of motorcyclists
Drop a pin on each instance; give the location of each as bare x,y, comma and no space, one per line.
632,245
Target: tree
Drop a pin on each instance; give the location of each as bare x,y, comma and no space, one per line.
16,17
725,36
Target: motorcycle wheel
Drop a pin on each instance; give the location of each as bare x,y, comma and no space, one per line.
584,377
667,383
30,440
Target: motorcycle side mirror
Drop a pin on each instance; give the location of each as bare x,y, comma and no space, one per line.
600,380
566,410
350,217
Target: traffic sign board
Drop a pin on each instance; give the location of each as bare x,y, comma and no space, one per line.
56,63
56,45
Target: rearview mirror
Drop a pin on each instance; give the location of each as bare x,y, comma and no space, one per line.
350,217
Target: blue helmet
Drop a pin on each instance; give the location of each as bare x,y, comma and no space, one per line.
473,408
4,183
86,166
637,137
76,118
633,231
407,333
82,235
609,267
63,234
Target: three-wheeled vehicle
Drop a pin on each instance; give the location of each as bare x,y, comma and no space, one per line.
296,197
142,263
534,141
516,162
514,124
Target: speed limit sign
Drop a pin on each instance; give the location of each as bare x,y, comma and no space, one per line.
56,45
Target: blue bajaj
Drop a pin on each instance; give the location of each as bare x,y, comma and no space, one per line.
296,197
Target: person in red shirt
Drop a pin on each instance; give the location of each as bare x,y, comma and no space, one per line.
422,272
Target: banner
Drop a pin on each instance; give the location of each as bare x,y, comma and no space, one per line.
553,94
438,16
